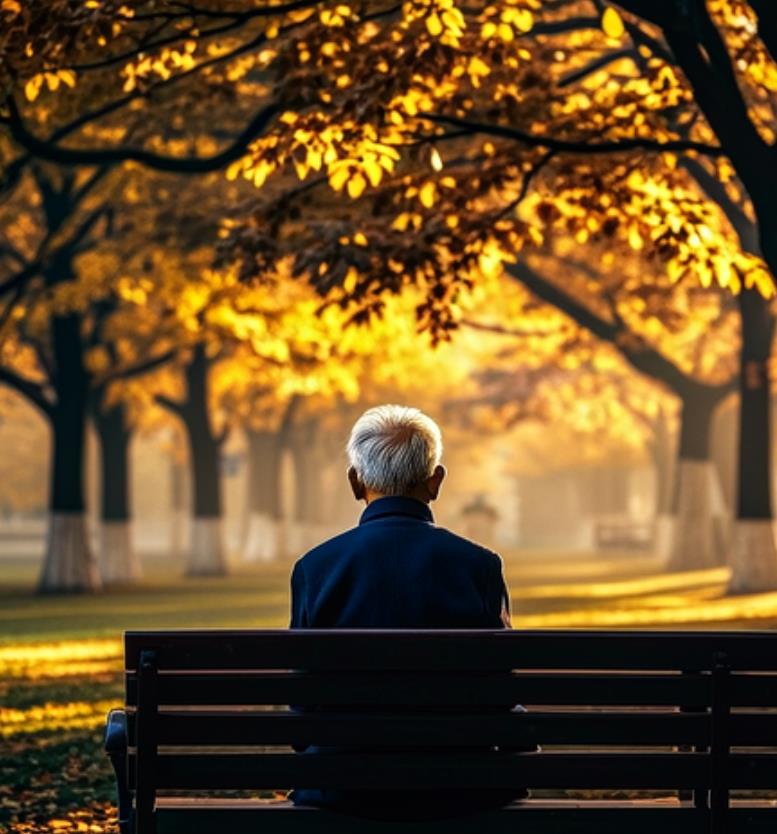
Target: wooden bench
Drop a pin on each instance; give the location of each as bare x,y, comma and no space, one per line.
691,716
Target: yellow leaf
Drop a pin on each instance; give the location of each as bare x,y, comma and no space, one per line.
356,186
32,88
488,30
233,171
351,280
427,194
301,168
68,76
434,25
374,171
505,32
612,25
523,20
338,177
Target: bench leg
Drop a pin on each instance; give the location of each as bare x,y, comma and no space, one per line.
115,746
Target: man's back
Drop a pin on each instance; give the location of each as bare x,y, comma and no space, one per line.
398,570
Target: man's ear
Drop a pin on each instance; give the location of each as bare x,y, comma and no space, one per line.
359,493
434,483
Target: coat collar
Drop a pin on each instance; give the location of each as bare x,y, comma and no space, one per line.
396,505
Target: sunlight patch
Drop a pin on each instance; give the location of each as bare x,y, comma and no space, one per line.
61,659
76,715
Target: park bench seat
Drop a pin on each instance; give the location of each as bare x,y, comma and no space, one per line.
640,731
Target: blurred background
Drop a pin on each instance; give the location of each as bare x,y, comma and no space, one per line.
227,229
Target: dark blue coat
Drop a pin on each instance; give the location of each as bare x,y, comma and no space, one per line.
397,569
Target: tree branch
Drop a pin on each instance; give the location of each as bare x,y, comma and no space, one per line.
519,333
644,359
708,69
766,11
171,405
598,63
141,368
582,147
160,162
32,391
745,228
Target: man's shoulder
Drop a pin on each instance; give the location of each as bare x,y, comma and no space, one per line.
327,548
467,546
352,541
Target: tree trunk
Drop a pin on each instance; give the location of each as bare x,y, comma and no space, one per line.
663,462
179,504
754,557
207,556
263,539
119,564
69,563
698,502
308,497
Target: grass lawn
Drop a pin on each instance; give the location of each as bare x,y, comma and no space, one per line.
60,656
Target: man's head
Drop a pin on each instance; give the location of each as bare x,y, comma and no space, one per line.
394,450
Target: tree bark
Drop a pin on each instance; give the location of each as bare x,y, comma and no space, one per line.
699,511
179,503
664,457
69,564
207,555
308,497
754,556
263,539
118,561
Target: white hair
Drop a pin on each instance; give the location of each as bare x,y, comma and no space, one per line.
393,448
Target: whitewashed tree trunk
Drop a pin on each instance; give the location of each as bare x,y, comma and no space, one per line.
263,539
118,560
753,557
299,537
696,541
207,555
663,535
69,563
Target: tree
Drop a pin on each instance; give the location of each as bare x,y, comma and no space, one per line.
60,388
56,310
577,101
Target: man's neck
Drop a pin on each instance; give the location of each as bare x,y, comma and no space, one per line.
414,494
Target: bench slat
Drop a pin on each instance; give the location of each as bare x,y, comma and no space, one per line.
241,728
425,650
426,689
535,817
407,771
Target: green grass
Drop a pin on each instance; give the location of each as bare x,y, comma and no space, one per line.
256,599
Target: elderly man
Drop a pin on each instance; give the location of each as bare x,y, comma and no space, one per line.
397,569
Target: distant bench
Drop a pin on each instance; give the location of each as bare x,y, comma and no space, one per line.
623,532
689,714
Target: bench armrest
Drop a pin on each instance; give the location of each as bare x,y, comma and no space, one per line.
115,745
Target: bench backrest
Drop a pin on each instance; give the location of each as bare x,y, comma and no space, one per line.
661,710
